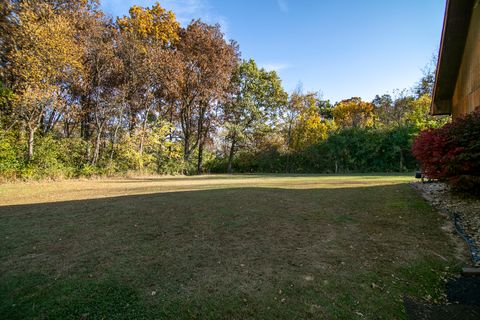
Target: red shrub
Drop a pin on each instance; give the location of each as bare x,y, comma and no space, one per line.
452,153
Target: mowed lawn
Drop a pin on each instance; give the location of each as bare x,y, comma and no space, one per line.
219,247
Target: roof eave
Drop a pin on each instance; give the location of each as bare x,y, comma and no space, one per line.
454,35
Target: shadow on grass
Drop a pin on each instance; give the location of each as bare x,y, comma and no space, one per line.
225,253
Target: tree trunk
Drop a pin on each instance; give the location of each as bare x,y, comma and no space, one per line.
200,159
200,141
114,142
132,123
231,154
66,129
31,140
142,140
170,133
289,145
186,149
86,120
203,129
96,152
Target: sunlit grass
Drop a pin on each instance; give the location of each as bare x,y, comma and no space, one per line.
38,192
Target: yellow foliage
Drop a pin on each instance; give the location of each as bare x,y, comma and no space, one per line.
311,128
353,113
419,114
151,24
45,48
43,54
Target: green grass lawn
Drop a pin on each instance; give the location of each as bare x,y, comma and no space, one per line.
219,247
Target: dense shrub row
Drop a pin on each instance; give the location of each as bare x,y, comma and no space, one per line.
346,150
452,153
63,158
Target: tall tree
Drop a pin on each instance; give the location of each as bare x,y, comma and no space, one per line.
207,64
96,87
148,36
41,52
256,97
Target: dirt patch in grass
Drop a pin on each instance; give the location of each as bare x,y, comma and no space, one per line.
266,247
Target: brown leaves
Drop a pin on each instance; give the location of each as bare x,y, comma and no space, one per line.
208,60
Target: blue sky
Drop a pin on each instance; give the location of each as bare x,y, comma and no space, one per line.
342,48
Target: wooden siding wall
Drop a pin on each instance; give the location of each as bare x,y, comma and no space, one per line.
467,90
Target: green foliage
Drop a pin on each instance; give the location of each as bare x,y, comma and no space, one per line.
419,114
158,155
72,152
49,160
256,98
346,150
6,95
9,160
88,170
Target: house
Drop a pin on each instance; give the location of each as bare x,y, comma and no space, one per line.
457,86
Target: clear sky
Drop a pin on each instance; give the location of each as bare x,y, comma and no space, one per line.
342,48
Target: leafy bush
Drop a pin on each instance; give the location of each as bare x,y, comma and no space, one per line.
48,161
452,153
9,163
88,170
430,148
346,150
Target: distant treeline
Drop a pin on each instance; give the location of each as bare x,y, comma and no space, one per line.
82,94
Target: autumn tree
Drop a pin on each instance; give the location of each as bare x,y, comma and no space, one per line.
105,71
419,115
353,112
256,96
148,35
382,105
42,53
155,25
311,126
391,110
203,77
86,94
404,109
